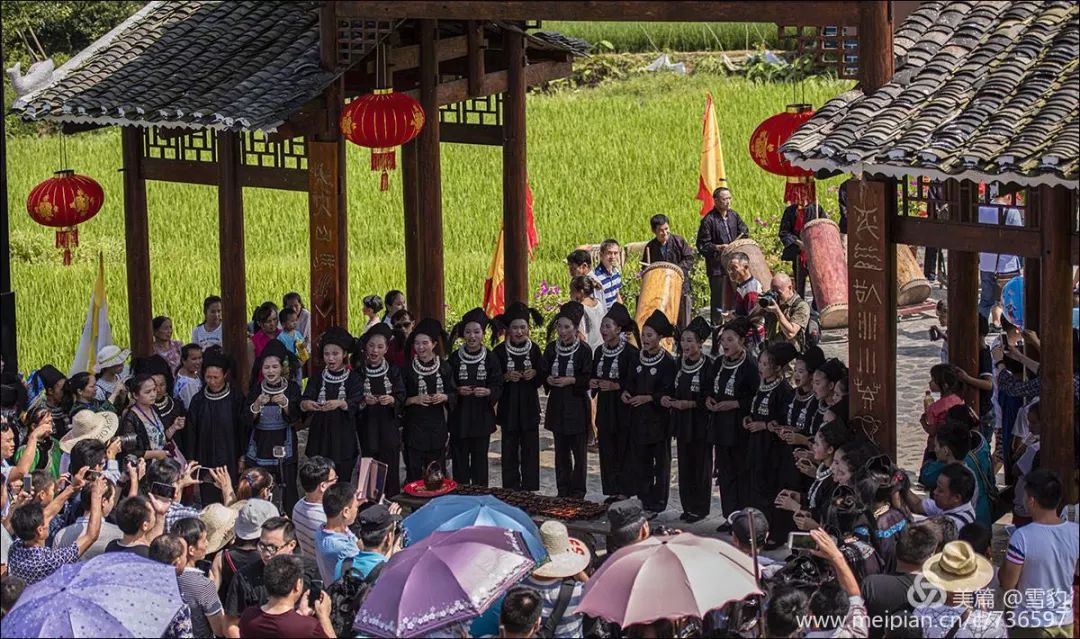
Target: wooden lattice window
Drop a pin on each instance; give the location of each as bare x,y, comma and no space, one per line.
923,197
260,150
483,111
833,47
357,37
195,145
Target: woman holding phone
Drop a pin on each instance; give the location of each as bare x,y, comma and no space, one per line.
272,409
219,432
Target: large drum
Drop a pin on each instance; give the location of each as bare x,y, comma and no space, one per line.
827,264
911,286
661,288
759,268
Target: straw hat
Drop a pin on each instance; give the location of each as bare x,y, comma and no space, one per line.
566,556
90,425
958,568
110,355
220,523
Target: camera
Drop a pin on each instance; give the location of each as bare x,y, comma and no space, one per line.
767,299
128,442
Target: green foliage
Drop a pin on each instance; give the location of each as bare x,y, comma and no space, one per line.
636,37
601,162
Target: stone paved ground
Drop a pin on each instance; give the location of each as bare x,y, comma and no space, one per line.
915,355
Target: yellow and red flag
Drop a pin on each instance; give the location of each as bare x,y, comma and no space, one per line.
711,174
494,288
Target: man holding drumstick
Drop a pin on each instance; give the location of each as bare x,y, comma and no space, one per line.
720,227
668,247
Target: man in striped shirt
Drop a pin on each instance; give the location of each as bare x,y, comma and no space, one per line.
316,475
608,273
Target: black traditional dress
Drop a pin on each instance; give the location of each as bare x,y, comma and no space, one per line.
770,405
797,418
731,381
473,419
613,419
650,428
219,431
380,426
168,410
568,414
815,418
426,429
518,413
691,427
332,434
273,426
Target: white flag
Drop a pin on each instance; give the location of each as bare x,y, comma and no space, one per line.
96,331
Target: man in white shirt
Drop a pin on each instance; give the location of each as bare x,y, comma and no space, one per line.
992,265
316,475
1041,560
953,496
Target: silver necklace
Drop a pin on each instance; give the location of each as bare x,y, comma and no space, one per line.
470,359
612,355
766,387
647,360
422,371
377,372
274,390
518,351
330,377
733,365
221,394
694,370
762,401
568,352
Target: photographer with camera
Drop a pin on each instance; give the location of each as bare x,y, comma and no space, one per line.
292,609
787,315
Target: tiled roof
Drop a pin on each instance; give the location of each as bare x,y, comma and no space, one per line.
982,91
225,65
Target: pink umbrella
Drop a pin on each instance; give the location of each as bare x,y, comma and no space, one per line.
668,577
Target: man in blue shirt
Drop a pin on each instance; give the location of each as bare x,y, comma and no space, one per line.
608,273
334,542
380,535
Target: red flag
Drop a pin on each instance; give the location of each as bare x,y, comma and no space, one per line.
711,174
530,221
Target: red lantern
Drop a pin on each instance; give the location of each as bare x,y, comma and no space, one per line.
765,145
381,121
64,201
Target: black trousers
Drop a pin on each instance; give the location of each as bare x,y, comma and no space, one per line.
654,474
801,277
345,468
571,464
470,459
521,460
730,463
930,260
717,286
391,456
419,459
616,464
695,477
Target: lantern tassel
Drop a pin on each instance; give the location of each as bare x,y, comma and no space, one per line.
67,238
800,189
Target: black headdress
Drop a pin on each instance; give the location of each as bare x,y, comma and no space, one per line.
660,323
621,316
572,311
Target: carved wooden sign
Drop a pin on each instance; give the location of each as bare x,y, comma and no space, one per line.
324,228
872,333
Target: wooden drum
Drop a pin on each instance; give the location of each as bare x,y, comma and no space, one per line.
826,263
911,285
759,268
661,288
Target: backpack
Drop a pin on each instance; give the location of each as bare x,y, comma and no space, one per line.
813,330
347,594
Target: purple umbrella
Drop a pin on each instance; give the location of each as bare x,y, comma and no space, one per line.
112,595
444,578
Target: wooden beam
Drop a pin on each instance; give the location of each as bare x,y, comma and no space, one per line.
137,244
474,33
433,292
266,177
954,236
515,241
498,82
872,314
963,291
195,172
486,134
328,35
1056,367
409,184
810,13
231,254
408,57
875,42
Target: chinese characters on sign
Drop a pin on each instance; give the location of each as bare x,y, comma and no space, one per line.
869,270
324,207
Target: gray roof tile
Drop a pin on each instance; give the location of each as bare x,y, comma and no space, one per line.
981,89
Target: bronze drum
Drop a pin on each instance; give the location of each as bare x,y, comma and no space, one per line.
911,285
826,263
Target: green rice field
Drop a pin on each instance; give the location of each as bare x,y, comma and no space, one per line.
601,162
638,37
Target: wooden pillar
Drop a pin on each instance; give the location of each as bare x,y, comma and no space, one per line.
1056,366
872,299
1032,278
875,44
516,242
413,248
235,310
137,244
325,210
963,293
429,192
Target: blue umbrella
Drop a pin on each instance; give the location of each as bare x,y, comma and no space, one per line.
454,512
113,595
